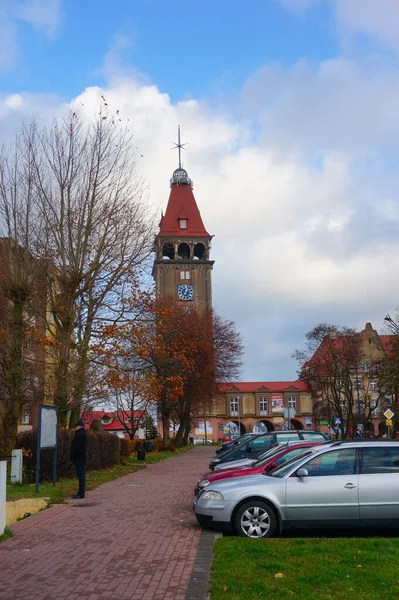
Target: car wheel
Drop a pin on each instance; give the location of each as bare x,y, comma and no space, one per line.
255,519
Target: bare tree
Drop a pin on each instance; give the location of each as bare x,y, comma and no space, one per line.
96,231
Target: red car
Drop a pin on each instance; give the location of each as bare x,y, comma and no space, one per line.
283,452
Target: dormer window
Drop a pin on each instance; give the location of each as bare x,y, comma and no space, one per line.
183,223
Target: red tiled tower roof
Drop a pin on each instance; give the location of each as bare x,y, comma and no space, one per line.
182,205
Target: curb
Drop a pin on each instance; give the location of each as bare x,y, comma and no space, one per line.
198,587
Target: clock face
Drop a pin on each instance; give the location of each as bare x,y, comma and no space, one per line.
185,291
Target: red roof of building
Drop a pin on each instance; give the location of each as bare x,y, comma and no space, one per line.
114,424
182,205
271,386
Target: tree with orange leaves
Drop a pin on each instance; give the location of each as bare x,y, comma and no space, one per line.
175,355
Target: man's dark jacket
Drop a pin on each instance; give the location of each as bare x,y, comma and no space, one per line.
79,446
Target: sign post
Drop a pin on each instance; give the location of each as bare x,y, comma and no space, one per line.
47,437
389,414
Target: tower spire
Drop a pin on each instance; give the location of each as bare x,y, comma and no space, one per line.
179,146
180,175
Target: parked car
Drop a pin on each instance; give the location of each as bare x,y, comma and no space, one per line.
253,447
246,462
278,455
234,442
340,483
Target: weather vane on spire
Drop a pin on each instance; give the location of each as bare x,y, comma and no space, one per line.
178,145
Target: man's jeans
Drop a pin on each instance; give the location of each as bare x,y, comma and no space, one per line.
80,468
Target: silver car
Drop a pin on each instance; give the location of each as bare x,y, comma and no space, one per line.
340,483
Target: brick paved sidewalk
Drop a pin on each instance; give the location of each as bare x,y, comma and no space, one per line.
133,538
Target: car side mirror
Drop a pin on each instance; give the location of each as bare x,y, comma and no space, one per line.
248,448
302,473
271,467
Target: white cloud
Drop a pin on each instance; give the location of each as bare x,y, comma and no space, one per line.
378,19
305,216
43,15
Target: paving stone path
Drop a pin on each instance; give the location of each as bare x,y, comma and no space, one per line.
133,538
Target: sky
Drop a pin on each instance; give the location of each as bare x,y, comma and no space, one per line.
290,109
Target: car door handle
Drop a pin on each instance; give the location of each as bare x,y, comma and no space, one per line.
349,486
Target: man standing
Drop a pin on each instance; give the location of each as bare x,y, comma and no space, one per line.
79,456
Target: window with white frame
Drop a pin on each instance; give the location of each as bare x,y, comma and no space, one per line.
185,275
373,385
183,223
358,385
366,368
234,406
263,406
292,402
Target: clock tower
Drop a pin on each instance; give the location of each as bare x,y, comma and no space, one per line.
182,269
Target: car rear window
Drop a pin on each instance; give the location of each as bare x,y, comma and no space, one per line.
285,437
380,460
260,443
313,436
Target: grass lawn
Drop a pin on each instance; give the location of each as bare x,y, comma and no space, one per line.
64,488
306,569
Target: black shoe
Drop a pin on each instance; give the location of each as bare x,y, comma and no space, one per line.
77,497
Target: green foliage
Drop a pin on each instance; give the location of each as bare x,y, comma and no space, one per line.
7,534
306,569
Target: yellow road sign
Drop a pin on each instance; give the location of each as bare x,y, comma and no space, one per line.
388,422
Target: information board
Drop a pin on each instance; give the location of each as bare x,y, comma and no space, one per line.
48,427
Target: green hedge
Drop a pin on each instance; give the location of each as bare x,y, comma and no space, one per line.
103,451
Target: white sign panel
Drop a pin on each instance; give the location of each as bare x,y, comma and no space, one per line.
48,433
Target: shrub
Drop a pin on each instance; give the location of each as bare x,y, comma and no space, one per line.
96,425
103,451
134,445
125,448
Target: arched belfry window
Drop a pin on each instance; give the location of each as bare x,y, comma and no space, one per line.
168,251
184,251
199,251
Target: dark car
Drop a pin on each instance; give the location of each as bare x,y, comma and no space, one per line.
250,448
234,443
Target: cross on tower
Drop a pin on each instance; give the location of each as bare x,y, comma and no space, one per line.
178,145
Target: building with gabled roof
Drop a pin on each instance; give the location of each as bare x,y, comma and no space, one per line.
112,421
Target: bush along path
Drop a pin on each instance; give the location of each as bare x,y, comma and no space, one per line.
135,538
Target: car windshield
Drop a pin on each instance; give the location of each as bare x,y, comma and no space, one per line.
281,471
268,454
